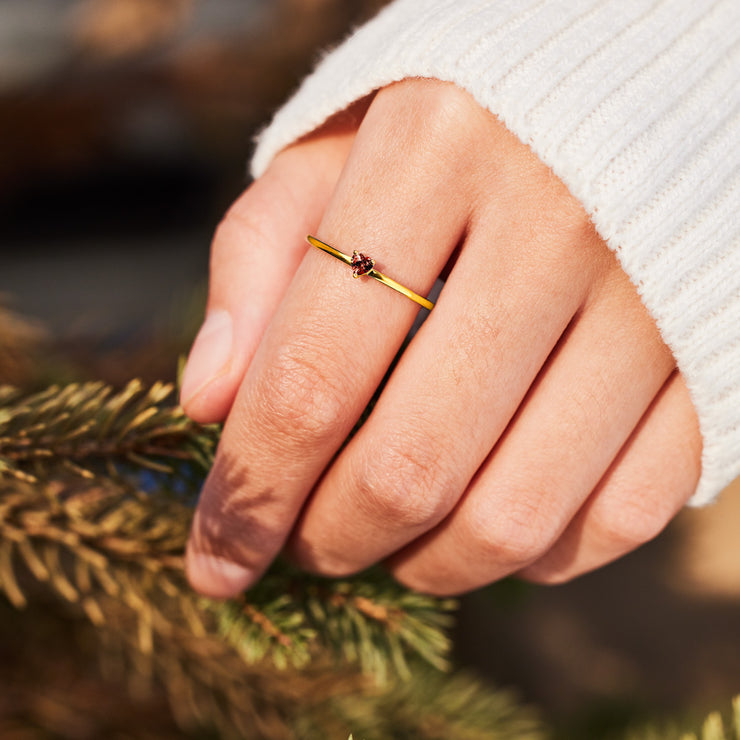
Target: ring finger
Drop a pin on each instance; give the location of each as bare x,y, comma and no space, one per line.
322,355
455,389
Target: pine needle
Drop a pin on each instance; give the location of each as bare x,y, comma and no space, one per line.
76,521
90,431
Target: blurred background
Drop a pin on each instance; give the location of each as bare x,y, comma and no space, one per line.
125,131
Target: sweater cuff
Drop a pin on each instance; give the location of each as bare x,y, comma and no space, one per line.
635,106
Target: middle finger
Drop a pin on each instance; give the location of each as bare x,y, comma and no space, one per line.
503,309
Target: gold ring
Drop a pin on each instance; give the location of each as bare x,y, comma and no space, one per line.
364,266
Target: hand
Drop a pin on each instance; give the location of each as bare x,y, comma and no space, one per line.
536,424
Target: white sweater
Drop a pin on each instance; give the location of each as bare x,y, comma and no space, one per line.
635,105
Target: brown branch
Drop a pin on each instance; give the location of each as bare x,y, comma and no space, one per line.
390,617
261,620
26,449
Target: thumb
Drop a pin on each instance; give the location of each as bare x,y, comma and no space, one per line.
255,253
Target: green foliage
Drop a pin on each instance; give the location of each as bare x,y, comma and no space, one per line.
85,528
712,728
96,500
89,430
436,706
367,620
95,507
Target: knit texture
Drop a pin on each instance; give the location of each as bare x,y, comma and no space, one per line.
635,106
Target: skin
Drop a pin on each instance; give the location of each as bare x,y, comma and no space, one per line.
536,424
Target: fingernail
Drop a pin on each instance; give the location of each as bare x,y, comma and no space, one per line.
210,353
215,577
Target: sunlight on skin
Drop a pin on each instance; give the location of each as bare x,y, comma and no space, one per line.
516,434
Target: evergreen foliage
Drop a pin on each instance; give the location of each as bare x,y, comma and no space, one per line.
96,496
713,728
87,430
97,489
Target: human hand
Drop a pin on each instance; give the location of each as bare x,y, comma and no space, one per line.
536,423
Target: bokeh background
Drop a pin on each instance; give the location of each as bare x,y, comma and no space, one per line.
125,129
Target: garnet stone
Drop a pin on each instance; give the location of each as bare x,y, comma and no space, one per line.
361,264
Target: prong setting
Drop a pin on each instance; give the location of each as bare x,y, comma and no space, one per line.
361,264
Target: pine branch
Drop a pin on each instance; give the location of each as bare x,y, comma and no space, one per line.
86,538
210,685
712,728
73,520
115,554
438,707
372,616
368,620
89,430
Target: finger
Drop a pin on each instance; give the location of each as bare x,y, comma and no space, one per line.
328,345
256,250
583,407
653,477
455,388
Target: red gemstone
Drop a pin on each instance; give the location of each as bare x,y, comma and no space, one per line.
361,264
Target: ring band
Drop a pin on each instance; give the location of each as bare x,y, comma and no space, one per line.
362,265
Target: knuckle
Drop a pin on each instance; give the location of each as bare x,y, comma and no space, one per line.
250,218
243,219
233,244
428,115
513,537
447,110
300,398
405,483
637,519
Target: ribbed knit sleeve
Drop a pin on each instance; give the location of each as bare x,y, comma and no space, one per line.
635,106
